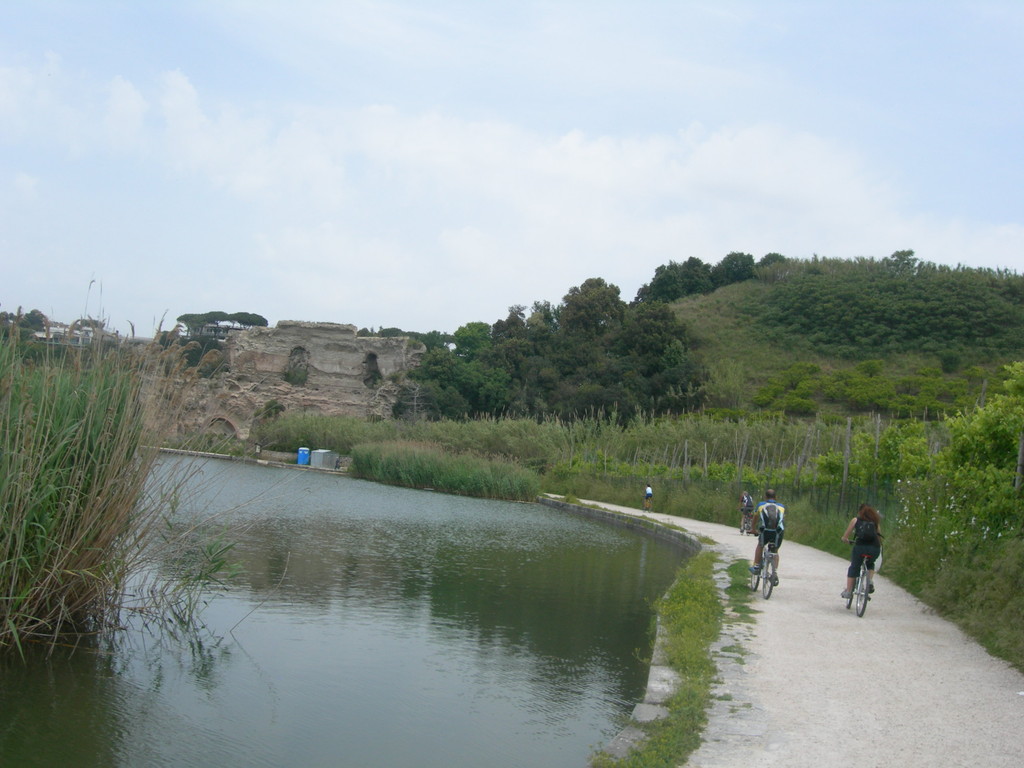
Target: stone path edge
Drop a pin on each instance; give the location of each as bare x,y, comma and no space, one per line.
662,680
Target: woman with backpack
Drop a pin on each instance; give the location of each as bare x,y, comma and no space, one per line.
866,530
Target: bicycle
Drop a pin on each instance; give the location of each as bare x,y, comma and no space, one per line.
861,588
766,578
747,526
769,563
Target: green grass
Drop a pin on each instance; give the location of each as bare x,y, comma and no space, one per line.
739,600
691,616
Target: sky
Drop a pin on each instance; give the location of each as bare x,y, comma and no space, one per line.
423,165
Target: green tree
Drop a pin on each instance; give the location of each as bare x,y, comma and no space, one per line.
472,339
771,258
248,320
674,281
591,309
734,268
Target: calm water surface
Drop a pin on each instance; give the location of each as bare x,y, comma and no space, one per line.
371,626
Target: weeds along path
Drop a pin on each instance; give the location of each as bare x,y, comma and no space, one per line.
815,686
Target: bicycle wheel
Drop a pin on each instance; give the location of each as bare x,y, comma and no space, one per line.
768,574
862,590
755,582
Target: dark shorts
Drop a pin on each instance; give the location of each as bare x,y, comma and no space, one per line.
855,557
768,534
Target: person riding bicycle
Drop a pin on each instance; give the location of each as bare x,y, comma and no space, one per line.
771,527
648,493
747,512
866,532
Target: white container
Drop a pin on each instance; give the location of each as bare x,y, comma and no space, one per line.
323,459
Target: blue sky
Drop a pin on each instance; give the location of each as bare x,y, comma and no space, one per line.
428,164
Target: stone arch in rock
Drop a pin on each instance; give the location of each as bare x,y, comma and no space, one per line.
220,425
297,370
371,370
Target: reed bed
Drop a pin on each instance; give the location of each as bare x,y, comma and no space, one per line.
77,514
758,452
529,442
417,465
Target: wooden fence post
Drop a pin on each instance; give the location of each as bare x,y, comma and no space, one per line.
1020,463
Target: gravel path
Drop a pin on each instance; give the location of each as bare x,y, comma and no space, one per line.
811,684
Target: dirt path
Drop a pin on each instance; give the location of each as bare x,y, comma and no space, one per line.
809,669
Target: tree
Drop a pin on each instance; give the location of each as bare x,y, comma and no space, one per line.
248,320
34,320
471,339
591,309
771,258
194,323
902,263
674,281
648,332
513,326
734,268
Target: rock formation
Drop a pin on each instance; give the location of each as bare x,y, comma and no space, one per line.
306,367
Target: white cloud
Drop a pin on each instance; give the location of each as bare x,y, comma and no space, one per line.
125,116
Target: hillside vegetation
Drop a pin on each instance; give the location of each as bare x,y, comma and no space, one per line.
894,336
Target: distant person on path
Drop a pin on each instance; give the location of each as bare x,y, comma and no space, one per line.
648,494
747,512
865,533
771,526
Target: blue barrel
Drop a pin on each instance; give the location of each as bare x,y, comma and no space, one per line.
304,456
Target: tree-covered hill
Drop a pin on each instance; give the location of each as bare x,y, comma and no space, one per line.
867,308
896,335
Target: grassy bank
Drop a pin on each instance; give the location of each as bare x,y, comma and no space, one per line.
691,615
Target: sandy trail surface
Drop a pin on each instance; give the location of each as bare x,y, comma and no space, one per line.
811,684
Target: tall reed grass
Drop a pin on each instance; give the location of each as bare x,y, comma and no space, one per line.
77,517
528,442
417,465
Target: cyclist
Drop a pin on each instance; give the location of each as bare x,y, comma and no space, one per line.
747,511
866,529
648,493
771,526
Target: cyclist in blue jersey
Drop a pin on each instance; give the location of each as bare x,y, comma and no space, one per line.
771,526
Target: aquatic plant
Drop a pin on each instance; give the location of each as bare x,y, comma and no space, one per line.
78,512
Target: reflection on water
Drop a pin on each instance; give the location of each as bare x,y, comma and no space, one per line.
371,626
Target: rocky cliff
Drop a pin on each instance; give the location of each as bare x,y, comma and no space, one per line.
307,367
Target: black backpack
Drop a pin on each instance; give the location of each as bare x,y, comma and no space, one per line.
867,532
771,516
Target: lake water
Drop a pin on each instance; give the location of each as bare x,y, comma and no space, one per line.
370,626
